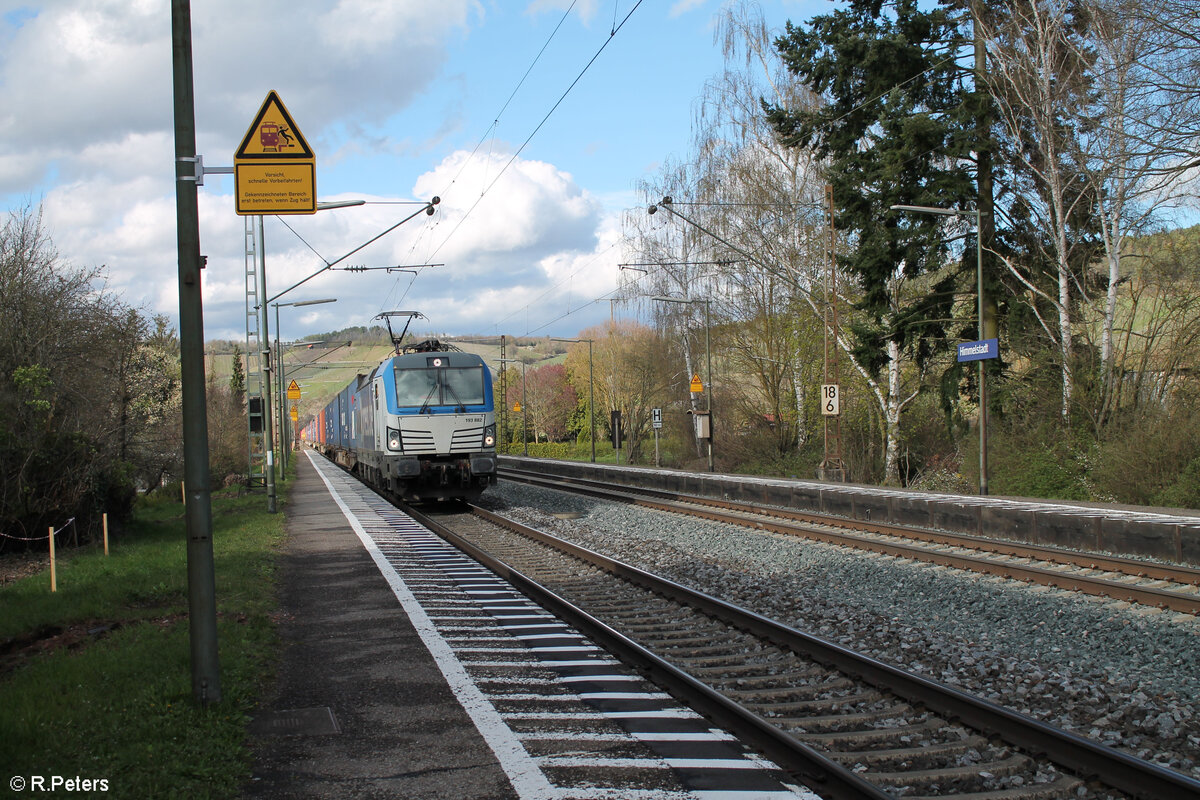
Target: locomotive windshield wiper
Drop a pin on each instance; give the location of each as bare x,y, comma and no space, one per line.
425,406
461,408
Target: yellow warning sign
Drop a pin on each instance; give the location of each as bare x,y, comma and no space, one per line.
696,386
273,135
295,413
274,169
517,407
293,391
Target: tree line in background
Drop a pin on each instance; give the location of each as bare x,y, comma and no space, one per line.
90,389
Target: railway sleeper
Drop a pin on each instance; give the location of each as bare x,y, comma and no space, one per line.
906,757
932,728
668,649
830,705
658,628
601,604
688,638
721,660
1012,765
758,674
832,722
1064,786
806,691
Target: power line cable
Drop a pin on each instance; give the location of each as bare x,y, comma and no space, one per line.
529,138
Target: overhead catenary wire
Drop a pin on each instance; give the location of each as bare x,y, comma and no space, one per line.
539,126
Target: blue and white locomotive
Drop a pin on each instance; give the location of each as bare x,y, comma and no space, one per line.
421,425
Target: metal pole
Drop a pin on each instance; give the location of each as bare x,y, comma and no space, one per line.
268,419
592,400
524,414
983,419
983,211
708,357
278,389
202,603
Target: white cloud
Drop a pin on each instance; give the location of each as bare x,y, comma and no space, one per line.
681,7
586,9
93,74
530,209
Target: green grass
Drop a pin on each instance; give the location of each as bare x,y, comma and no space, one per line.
119,706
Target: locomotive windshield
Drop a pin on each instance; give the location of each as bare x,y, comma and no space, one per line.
447,386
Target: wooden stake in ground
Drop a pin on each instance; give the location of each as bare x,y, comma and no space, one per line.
53,576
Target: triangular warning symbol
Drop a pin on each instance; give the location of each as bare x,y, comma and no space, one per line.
273,135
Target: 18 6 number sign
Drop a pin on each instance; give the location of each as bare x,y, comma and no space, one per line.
830,400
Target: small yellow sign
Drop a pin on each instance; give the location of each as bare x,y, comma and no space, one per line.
294,413
280,188
696,386
517,407
274,169
293,391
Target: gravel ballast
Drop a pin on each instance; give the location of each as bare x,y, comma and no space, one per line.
1124,675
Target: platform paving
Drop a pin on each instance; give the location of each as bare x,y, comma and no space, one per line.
359,708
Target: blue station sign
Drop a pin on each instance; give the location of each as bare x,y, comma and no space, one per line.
977,351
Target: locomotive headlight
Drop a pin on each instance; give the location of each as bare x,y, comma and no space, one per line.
489,435
393,439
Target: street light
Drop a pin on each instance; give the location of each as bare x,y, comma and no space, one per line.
524,405
956,212
707,356
283,449
591,390
325,205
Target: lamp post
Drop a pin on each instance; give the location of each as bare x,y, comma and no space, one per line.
591,390
956,212
707,358
283,448
524,406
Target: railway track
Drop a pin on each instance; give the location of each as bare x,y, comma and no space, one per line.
848,725
1166,586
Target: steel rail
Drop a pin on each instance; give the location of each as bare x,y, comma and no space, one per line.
811,767
1084,757
762,519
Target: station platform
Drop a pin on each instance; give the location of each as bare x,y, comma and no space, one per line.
410,671
360,708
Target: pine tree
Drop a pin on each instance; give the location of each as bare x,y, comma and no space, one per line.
899,127
237,379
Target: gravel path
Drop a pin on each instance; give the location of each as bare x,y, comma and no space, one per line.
1126,676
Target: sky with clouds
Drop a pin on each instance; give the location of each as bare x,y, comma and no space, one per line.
468,100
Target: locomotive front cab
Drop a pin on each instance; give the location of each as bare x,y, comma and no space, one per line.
440,433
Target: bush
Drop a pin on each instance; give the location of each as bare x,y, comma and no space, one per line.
1150,458
558,450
